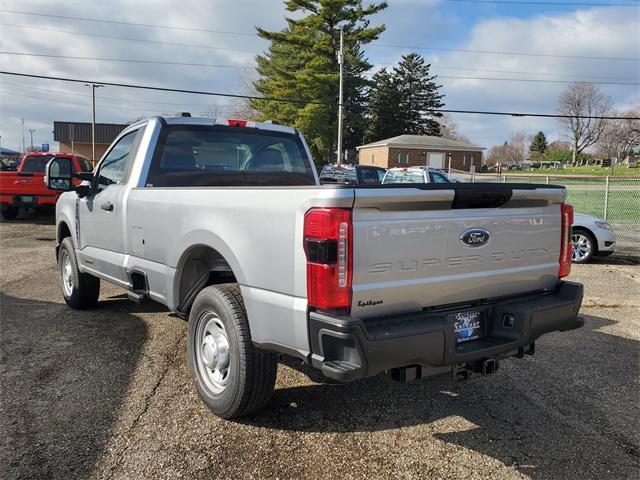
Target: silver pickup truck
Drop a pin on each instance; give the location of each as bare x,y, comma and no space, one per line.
225,223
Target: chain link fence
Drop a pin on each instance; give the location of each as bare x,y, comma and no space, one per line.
615,199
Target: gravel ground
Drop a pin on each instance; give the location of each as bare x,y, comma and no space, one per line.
106,394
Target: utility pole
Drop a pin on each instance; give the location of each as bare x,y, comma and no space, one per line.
22,123
340,94
93,119
31,130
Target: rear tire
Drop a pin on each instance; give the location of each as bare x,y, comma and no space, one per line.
232,376
583,245
80,290
9,212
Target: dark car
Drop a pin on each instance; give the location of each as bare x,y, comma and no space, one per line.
352,174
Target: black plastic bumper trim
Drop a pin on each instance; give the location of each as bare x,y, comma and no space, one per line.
347,348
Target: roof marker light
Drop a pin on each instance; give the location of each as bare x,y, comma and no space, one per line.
237,123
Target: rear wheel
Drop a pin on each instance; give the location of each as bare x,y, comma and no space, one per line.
80,290
9,212
232,377
583,245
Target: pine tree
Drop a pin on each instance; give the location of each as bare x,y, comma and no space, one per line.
382,108
419,96
301,63
404,100
538,143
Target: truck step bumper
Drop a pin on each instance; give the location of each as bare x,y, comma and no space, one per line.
347,348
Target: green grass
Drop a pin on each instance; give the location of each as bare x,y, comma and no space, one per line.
618,171
587,195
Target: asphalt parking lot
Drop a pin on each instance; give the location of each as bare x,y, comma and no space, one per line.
106,394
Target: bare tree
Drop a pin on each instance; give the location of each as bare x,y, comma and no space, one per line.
449,129
578,101
620,137
498,154
518,148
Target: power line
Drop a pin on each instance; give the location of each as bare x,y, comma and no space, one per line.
128,39
515,72
132,24
70,32
162,62
301,102
375,44
167,89
127,100
124,60
53,100
498,52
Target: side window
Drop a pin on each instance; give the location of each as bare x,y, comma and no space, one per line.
369,176
437,178
380,175
115,166
85,166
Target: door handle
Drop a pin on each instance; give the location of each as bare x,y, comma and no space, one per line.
108,206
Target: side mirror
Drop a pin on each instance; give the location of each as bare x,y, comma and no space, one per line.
58,175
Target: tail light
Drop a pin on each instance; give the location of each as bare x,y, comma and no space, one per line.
237,123
565,246
328,246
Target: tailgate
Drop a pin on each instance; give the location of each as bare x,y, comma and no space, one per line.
422,247
24,184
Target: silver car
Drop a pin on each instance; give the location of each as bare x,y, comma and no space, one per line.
591,236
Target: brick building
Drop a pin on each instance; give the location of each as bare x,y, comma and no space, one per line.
413,150
75,137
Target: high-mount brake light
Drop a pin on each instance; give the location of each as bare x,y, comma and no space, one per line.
237,123
328,247
565,239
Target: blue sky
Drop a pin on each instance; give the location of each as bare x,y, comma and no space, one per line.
564,31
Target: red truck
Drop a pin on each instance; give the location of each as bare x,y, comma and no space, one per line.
25,187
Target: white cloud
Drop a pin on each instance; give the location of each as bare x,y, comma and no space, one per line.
593,32
605,32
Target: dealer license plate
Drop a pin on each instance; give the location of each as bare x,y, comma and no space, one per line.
468,325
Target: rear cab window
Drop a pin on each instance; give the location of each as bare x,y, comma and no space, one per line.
209,156
35,163
404,176
339,174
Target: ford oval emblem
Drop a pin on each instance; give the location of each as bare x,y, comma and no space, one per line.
475,237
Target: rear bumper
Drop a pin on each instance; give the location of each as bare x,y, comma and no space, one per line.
347,348
28,200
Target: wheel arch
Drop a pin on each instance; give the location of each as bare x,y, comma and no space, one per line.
201,265
62,231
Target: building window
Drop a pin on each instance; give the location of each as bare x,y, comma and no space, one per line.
403,158
372,157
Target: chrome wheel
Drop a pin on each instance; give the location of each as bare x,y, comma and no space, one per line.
212,352
581,247
66,273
